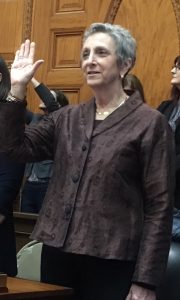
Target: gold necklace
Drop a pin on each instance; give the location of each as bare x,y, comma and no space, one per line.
106,113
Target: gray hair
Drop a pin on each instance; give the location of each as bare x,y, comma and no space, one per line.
124,41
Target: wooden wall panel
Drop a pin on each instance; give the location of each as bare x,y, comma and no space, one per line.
11,28
66,50
154,25
70,5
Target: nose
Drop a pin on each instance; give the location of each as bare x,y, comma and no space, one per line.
173,70
91,59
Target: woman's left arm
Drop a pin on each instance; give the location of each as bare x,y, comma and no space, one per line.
157,160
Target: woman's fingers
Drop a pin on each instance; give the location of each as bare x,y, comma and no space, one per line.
32,48
37,64
26,48
21,51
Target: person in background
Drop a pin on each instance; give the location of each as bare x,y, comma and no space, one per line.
11,174
38,174
131,83
171,109
106,218
51,100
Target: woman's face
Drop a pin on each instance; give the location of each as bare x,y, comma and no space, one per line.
99,61
176,75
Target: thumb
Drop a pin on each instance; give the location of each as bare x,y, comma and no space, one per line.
37,64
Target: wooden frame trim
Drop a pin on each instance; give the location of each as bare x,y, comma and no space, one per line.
27,20
113,9
176,6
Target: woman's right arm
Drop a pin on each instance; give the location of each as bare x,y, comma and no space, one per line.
23,69
30,144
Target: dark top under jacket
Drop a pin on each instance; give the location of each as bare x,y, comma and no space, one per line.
110,194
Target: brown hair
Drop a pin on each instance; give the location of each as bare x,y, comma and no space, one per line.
131,83
175,92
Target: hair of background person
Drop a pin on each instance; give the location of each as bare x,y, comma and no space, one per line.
175,92
61,98
124,41
131,83
5,83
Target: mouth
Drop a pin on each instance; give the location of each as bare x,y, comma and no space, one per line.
92,72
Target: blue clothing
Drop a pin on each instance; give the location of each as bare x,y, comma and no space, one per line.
37,174
37,178
176,226
33,194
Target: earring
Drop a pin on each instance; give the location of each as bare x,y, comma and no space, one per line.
122,76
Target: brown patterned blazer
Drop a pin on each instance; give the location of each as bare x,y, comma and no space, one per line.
109,195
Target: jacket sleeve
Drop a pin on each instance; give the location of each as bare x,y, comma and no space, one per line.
29,116
34,142
47,97
158,178
164,105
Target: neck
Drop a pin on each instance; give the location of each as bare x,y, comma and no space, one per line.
105,102
103,111
108,94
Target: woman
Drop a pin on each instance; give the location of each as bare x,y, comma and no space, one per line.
105,222
11,174
171,109
131,83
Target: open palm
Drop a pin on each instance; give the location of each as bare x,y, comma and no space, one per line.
23,67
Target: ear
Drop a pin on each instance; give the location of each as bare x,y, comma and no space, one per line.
0,77
127,65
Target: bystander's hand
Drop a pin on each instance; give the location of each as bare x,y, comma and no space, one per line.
139,293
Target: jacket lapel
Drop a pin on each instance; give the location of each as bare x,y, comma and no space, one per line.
117,116
88,116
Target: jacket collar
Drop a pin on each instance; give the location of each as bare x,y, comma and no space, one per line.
117,116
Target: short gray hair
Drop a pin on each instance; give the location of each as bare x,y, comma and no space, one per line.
124,41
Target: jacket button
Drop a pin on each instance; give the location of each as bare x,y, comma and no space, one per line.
89,158
84,148
75,178
68,209
48,213
53,236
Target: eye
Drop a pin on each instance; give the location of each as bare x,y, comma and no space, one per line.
177,68
102,51
85,54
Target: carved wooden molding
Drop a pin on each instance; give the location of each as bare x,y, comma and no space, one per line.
27,19
176,6
113,8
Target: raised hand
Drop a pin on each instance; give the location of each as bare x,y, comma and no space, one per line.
23,68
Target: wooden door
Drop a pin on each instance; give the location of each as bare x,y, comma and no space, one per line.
57,30
58,25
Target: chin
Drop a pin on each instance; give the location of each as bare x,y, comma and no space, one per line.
93,83
174,81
